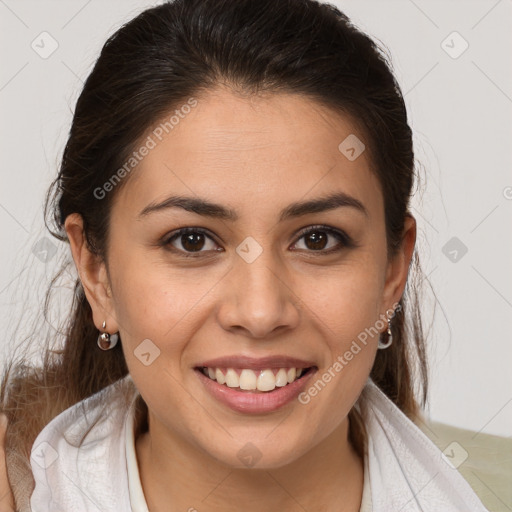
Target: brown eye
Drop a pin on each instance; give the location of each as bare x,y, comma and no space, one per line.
324,240
191,240
316,240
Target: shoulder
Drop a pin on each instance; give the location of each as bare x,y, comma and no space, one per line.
78,460
405,466
484,460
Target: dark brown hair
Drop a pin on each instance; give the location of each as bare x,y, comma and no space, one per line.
150,66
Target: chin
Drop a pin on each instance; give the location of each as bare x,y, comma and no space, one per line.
258,455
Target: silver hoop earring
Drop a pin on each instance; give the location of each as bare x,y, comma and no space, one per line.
389,341
107,341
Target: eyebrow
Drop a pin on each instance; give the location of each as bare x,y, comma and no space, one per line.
208,209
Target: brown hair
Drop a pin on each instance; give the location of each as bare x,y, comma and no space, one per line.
148,67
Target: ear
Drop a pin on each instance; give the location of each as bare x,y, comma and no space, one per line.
93,274
398,266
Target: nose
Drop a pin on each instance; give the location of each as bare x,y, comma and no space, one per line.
257,299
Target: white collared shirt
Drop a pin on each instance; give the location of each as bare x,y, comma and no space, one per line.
137,499
84,460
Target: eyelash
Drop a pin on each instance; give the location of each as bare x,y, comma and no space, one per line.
341,236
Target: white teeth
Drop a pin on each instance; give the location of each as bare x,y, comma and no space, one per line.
249,380
266,381
219,377
232,379
281,378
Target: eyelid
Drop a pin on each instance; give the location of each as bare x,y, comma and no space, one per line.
166,240
343,238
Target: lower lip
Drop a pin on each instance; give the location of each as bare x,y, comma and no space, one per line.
255,403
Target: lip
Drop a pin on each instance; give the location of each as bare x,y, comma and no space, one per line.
255,403
253,363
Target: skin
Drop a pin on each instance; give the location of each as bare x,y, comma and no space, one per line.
255,155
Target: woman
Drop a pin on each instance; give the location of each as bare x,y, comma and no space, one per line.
235,193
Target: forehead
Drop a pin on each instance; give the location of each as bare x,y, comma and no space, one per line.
251,152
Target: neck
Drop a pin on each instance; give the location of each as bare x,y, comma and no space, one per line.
176,476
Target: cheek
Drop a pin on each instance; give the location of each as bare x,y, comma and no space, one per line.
346,300
346,311
159,308
151,299
346,315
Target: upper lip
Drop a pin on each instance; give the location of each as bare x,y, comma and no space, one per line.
260,363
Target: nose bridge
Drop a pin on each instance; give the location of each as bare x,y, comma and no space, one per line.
260,275
259,299
256,270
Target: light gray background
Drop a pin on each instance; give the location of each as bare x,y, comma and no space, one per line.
460,110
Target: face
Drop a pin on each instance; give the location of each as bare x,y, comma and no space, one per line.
269,280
